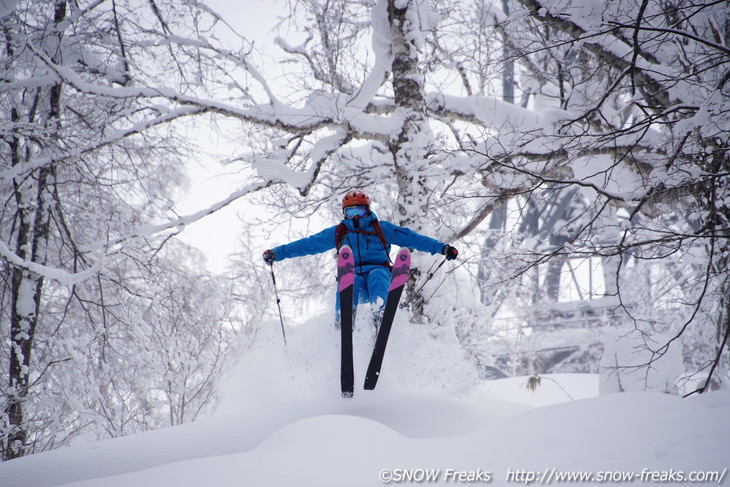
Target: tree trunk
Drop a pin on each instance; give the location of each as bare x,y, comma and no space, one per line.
34,199
610,263
497,228
508,70
410,147
26,292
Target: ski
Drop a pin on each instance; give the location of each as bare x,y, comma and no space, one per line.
345,286
398,279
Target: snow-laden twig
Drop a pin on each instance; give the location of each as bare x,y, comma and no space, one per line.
180,222
31,165
59,275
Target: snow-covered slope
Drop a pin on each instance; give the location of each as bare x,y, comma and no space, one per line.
282,423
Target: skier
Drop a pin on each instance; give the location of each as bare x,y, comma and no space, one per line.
370,240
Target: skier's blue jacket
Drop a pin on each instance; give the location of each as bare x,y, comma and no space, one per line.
366,246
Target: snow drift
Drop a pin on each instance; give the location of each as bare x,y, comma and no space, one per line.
281,422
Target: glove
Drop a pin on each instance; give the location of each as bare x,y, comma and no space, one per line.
450,252
269,257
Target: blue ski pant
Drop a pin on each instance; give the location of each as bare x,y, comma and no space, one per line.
370,286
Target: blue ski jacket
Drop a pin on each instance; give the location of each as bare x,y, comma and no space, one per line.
366,246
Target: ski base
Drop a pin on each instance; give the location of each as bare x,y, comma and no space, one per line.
398,278
345,286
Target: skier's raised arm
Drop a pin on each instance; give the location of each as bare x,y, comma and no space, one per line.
405,237
314,244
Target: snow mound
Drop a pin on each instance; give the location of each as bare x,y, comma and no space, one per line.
299,444
282,423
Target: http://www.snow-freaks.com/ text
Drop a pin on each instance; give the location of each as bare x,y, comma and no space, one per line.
549,476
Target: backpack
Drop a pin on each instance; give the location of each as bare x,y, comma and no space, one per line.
341,231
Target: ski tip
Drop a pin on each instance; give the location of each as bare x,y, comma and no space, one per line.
371,382
347,394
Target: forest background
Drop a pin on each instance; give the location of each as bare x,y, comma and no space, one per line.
575,151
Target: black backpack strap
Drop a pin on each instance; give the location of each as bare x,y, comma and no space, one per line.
340,233
378,231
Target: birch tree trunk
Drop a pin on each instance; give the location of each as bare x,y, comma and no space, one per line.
410,147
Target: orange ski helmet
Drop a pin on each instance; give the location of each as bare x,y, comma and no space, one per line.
355,197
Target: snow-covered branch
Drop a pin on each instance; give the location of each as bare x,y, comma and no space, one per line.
618,55
59,275
179,223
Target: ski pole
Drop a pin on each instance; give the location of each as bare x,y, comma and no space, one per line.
430,275
278,303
